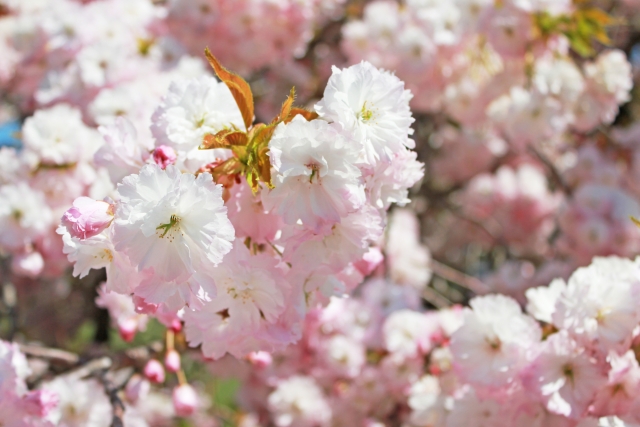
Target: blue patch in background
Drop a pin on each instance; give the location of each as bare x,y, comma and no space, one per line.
8,132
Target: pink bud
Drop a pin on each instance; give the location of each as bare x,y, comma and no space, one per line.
176,325
172,361
41,402
154,371
260,359
164,156
143,307
127,328
137,388
87,217
370,261
28,264
185,400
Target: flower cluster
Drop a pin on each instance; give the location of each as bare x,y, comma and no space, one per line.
376,359
482,61
435,228
73,401
192,235
256,34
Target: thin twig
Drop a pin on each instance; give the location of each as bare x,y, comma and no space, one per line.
50,353
497,240
9,297
435,298
116,402
91,368
474,284
554,172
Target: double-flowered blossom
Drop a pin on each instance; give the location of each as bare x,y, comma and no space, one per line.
487,365
176,224
372,106
87,217
488,351
597,304
24,215
242,259
565,376
258,232
19,406
316,180
190,110
594,222
299,402
249,309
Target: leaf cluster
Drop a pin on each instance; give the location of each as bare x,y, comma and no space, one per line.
250,147
581,28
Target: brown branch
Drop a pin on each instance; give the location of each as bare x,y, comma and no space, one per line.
471,283
50,354
116,403
554,172
91,368
496,240
435,299
9,297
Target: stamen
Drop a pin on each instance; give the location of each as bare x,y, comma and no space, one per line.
366,114
173,220
314,171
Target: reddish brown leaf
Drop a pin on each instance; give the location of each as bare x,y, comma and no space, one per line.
239,88
224,139
309,115
286,107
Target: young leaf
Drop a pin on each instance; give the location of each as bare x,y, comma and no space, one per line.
286,107
309,115
223,139
228,167
239,88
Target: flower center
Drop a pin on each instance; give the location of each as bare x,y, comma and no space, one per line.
244,292
314,170
174,223
105,254
17,215
366,114
602,314
494,343
568,372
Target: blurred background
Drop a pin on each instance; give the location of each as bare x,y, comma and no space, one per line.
526,120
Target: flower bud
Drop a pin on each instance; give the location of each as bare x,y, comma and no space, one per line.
154,371
185,400
172,361
127,328
41,402
137,388
28,264
260,359
87,217
143,307
370,261
164,156
176,325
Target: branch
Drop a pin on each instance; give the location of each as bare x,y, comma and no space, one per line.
554,172
496,240
435,299
91,368
50,353
9,297
116,403
471,283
